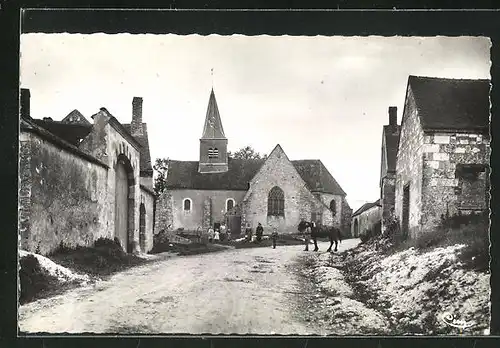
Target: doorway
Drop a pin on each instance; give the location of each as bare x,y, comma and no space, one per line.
121,204
406,211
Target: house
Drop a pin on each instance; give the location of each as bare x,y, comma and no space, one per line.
80,181
275,191
389,152
442,166
366,218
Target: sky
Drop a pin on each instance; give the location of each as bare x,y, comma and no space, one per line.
318,97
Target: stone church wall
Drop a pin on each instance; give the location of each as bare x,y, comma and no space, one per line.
170,210
62,197
300,203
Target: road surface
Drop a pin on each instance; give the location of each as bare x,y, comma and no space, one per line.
244,291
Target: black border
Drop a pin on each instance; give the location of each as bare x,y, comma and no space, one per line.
387,23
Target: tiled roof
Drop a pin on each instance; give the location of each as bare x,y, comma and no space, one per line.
451,104
185,175
391,134
366,206
145,160
71,133
29,125
317,177
213,124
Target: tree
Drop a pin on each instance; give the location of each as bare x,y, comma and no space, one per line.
246,152
161,168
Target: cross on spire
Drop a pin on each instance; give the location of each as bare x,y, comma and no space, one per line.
212,73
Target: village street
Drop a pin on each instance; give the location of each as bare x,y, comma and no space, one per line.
237,291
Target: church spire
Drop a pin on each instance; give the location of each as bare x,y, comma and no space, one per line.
213,142
213,125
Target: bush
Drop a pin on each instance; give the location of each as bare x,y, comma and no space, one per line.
105,257
371,233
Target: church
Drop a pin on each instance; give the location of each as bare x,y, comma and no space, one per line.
275,191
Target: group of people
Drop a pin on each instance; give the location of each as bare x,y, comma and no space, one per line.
219,234
259,232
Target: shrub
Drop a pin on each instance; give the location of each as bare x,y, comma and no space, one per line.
369,234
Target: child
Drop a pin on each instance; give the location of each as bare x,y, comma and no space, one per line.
274,236
216,236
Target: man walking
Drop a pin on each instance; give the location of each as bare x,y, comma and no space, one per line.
274,237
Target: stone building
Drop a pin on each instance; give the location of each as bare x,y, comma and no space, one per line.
366,218
274,191
389,152
444,148
80,181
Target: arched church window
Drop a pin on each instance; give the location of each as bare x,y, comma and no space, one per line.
333,207
276,202
186,204
229,204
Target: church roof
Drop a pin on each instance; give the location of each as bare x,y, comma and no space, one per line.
71,133
145,159
317,177
451,104
213,125
185,175
391,134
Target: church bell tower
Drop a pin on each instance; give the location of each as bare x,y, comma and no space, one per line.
213,142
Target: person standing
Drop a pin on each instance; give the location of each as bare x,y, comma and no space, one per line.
248,232
210,234
274,237
259,232
223,233
228,234
216,236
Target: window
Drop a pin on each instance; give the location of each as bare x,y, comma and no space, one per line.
229,204
276,202
472,189
333,207
213,153
186,204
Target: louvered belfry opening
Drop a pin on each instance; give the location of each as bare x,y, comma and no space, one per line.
276,202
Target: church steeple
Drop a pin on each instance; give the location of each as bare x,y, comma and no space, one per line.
213,125
213,142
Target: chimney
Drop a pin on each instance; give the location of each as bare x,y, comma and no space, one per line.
25,103
393,116
136,125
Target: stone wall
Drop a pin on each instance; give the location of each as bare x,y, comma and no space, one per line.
300,203
345,224
63,197
367,220
164,218
409,167
108,142
445,190
388,196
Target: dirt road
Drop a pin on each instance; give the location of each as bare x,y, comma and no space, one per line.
238,291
